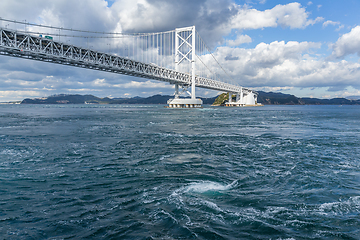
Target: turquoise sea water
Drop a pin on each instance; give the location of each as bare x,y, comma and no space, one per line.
147,172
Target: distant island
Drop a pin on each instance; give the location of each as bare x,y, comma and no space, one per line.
271,98
90,99
266,98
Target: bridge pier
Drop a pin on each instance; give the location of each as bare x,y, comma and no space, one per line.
184,103
243,98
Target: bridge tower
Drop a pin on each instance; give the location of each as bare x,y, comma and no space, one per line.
185,51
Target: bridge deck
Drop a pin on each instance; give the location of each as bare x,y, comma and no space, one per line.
22,45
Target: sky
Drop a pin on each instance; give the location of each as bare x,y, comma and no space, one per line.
305,48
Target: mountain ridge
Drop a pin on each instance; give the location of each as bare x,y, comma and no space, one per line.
266,98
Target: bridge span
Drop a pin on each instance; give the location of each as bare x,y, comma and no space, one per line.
20,44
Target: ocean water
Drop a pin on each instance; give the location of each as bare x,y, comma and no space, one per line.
147,172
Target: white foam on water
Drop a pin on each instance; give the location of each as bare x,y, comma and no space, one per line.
179,197
206,203
11,152
206,186
184,158
342,207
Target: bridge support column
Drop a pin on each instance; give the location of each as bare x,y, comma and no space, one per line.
193,64
237,101
182,55
177,91
241,97
229,103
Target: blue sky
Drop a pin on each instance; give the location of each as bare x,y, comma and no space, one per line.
344,13
305,48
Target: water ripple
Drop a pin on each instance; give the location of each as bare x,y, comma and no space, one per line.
144,172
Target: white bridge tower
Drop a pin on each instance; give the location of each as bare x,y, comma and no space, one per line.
185,51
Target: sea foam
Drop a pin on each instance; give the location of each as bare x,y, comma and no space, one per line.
208,186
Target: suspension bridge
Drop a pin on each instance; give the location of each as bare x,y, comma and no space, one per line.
179,57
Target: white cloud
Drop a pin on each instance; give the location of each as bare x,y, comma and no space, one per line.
265,55
80,14
213,18
340,27
100,83
240,39
351,92
348,43
329,22
274,89
131,84
281,64
291,15
12,95
148,84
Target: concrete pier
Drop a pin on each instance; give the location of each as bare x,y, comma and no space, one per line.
184,103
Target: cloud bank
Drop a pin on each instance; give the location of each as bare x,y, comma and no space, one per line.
275,64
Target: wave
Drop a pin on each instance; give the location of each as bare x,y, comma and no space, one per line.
352,205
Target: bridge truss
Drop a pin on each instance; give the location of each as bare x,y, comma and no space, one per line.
20,44
15,44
